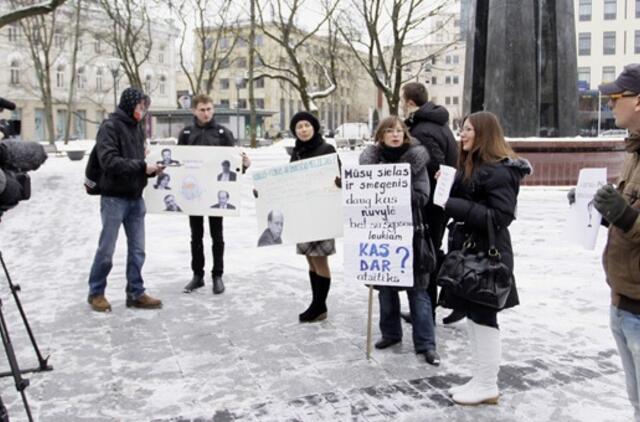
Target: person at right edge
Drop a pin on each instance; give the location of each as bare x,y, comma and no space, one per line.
620,208
487,181
428,123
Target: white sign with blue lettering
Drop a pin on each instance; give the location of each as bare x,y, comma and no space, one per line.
378,225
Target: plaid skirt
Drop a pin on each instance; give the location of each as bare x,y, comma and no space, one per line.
319,248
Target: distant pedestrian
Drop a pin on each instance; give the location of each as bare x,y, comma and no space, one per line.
487,181
620,208
393,144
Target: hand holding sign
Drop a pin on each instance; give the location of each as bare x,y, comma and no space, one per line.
446,177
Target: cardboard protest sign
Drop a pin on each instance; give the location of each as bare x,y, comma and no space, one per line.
378,224
584,220
298,202
196,181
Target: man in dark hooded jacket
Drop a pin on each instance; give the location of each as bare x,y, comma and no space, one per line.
121,153
428,123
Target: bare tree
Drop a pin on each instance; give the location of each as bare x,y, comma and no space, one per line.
390,27
252,51
77,33
311,82
27,11
216,35
129,35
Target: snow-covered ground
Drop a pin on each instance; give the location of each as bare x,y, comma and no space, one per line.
243,355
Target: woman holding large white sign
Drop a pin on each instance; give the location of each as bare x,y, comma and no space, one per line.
309,143
394,145
482,204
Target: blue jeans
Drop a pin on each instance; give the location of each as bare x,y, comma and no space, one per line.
424,336
130,213
626,331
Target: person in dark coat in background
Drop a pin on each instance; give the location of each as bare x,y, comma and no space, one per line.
393,144
205,131
487,181
428,123
309,143
121,152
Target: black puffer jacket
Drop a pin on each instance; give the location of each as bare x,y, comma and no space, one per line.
211,134
120,148
492,187
312,148
418,157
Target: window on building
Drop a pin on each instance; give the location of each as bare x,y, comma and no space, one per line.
242,42
584,75
447,59
147,84
447,100
61,123
60,76
224,42
224,103
80,127
13,33
259,82
259,40
637,8
81,78
99,73
224,63
259,102
224,83
241,62
208,43
100,114
208,65
637,43
608,74
434,80
15,72
610,9
456,59
584,10
242,103
456,80
283,112
584,44
257,61
454,100
58,40
163,85
609,43
447,80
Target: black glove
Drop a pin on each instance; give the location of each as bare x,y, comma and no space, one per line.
614,208
255,193
571,196
338,182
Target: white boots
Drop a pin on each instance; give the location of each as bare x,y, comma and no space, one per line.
486,355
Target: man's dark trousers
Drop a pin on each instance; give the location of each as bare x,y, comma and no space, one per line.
196,223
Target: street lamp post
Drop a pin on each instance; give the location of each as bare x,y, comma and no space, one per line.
239,84
114,66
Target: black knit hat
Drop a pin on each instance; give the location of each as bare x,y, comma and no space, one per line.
130,98
304,115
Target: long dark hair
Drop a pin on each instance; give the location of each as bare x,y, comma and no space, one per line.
489,145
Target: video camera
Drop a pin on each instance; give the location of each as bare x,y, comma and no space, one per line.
16,158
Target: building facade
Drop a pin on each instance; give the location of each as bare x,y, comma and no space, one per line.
94,81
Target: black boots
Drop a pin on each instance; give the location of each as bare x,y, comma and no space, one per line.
195,283
218,285
317,311
455,316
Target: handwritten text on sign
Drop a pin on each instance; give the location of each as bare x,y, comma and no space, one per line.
378,228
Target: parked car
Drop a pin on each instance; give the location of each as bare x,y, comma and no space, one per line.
352,135
614,133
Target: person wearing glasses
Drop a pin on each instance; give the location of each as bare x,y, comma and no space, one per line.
393,144
620,207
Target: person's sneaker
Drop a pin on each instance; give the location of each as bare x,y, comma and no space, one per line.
196,282
383,343
218,285
99,303
432,357
144,302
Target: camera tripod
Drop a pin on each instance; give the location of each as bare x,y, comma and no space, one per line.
16,372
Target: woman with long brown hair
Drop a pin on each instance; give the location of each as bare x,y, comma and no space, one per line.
487,182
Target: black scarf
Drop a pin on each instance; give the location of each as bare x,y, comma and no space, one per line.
303,148
393,154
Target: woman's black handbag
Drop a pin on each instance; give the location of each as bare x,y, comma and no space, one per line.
424,253
478,277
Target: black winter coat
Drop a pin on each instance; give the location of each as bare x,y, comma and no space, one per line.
211,134
120,149
322,148
492,187
418,157
429,126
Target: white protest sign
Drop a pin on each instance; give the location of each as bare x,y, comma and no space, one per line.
584,220
197,180
298,202
378,224
443,185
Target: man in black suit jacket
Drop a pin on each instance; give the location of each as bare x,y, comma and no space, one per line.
223,201
227,175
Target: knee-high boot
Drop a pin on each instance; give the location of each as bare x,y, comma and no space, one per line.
484,388
473,346
317,311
